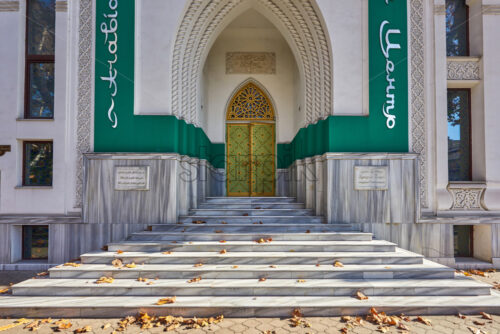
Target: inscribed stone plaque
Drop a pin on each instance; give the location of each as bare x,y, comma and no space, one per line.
132,178
250,63
370,178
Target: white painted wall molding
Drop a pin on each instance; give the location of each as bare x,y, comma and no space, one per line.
9,6
85,91
467,195
417,93
463,68
300,23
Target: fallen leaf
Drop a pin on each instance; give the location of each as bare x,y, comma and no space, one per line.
360,295
234,267
344,330
338,264
260,241
117,263
262,279
461,316
167,253
486,316
4,290
222,241
424,321
346,318
198,265
119,252
223,251
150,283
403,327
301,281
272,266
308,231
224,223
194,280
105,279
245,214
474,330
199,222
130,265
478,323
85,329
317,265
140,279
173,326
63,324
45,273
72,264
166,300
104,248
218,231
383,329
106,326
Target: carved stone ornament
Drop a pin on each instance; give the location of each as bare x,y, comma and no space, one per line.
463,69
250,63
467,196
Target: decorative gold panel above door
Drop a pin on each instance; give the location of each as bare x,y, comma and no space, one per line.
250,145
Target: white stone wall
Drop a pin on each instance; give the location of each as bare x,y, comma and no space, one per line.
15,199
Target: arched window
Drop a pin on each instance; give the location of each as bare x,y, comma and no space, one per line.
250,103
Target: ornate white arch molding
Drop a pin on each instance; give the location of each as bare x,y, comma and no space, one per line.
298,20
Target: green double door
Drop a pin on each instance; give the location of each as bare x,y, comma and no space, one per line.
250,159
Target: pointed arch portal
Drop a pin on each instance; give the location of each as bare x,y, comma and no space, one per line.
250,142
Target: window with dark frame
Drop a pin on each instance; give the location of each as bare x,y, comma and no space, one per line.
39,55
35,242
459,135
457,28
37,163
463,240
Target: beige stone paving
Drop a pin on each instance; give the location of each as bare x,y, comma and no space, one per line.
440,324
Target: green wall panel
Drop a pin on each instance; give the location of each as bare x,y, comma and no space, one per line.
117,129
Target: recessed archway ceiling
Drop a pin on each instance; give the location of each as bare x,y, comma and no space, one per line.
298,21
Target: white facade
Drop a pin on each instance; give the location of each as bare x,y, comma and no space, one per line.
252,27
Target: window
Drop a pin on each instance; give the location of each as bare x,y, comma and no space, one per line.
457,28
40,47
35,242
459,138
37,164
462,240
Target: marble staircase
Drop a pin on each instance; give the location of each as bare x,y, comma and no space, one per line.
292,268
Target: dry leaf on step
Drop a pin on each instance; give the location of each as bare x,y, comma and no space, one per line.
474,330
479,323
301,281
117,263
424,321
234,267
167,253
317,264
223,223
308,231
383,329
403,327
140,279
486,316
346,318
223,251
245,214
105,279
106,326
361,296
167,300
199,222
72,264
85,329
198,265
130,265
338,264
272,266
194,280
222,241
63,324
4,290
45,273
119,251
262,279
218,231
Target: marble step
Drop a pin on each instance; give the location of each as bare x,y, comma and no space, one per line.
253,228
400,256
251,206
252,287
252,246
251,212
222,234
242,306
224,200
428,270
254,219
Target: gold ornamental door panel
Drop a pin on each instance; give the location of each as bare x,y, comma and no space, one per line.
238,159
262,159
